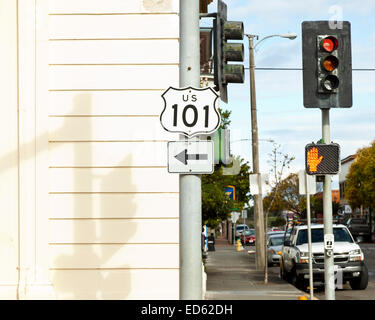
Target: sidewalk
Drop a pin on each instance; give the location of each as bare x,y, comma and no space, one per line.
232,275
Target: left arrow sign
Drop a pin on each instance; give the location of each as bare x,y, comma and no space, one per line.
182,153
183,156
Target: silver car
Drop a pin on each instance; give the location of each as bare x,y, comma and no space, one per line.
274,247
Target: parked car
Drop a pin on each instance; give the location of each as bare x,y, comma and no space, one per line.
270,233
240,228
359,228
274,246
275,229
248,237
348,256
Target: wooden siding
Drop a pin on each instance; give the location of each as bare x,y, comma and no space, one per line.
113,206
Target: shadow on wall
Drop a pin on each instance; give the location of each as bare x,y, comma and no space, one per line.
89,256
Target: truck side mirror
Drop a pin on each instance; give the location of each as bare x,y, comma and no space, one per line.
287,243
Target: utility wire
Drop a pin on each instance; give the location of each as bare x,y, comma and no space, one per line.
300,69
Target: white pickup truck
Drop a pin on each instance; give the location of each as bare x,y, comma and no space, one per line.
348,257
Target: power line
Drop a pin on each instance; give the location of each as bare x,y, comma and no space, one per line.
300,69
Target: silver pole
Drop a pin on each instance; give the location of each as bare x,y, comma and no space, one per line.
190,185
258,203
311,281
329,275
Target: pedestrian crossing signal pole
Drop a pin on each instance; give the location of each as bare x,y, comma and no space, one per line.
329,275
327,83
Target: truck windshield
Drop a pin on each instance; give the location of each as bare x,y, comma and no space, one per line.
317,235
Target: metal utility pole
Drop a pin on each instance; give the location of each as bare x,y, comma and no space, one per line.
329,275
190,185
311,280
258,203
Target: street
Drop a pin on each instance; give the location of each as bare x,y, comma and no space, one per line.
346,293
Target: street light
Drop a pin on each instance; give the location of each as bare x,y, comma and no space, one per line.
290,36
258,203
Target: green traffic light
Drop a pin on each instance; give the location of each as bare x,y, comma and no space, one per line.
234,73
233,52
233,30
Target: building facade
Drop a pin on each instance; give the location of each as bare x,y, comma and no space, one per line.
88,209
345,166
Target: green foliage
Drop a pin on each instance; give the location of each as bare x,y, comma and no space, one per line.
316,206
277,221
360,181
225,122
216,205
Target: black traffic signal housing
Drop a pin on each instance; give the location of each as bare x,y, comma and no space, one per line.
225,51
327,65
322,159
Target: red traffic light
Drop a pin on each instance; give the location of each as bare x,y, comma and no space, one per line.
329,43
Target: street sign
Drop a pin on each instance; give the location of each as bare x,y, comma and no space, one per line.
311,183
234,216
254,187
195,157
230,191
190,111
221,139
329,241
244,214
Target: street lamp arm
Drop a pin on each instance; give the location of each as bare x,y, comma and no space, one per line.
273,35
290,36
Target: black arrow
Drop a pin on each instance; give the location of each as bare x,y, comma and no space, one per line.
183,156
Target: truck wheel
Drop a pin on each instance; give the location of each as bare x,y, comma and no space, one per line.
283,274
361,282
296,280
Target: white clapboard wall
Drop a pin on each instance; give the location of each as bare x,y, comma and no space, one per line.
113,206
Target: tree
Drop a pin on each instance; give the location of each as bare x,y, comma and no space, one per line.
287,197
225,122
277,170
360,181
275,201
216,205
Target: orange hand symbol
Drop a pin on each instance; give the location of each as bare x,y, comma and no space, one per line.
313,160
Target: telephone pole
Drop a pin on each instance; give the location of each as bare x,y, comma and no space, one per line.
258,203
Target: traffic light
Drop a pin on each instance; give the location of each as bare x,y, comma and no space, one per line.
225,51
327,65
322,159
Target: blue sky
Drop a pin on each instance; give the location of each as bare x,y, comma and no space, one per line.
281,115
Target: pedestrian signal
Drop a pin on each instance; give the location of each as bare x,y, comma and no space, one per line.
322,159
